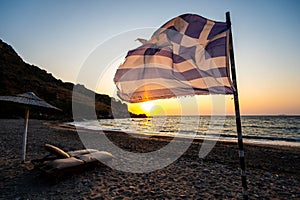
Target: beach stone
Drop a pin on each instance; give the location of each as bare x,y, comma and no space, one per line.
111,188
198,186
200,181
112,193
268,174
121,190
217,195
183,196
127,192
205,170
132,187
190,183
163,175
193,164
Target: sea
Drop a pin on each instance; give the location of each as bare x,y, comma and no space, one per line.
276,130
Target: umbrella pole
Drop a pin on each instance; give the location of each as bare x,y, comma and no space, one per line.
25,134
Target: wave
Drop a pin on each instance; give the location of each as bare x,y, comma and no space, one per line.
270,129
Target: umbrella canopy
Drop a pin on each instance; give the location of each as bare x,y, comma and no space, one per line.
28,99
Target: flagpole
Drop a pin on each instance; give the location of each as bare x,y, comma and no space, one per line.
237,112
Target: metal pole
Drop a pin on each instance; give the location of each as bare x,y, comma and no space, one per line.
25,135
237,112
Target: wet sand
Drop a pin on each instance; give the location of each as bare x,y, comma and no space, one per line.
273,172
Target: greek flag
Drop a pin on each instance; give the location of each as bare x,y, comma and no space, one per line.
186,56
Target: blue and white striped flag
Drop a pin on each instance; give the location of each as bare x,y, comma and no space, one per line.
186,56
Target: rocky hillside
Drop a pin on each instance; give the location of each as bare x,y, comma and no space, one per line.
17,77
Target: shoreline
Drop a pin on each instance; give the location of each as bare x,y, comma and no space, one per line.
222,138
272,171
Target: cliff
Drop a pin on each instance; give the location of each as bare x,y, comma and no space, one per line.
17,77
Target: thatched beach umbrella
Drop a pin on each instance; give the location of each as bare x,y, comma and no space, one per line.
28,99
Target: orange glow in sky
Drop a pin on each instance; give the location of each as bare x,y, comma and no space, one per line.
199,105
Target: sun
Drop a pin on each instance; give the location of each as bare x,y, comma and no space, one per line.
156,107
147,106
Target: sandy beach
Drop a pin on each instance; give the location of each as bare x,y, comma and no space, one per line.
273,172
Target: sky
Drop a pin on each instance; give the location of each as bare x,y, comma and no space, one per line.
63,36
